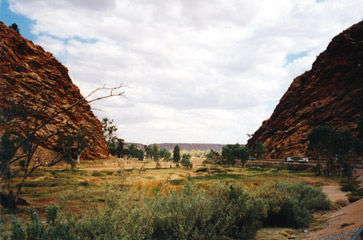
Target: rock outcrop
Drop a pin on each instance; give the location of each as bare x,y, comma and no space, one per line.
34,78
331,93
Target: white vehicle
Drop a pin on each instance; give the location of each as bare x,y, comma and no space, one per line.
303,160
288,159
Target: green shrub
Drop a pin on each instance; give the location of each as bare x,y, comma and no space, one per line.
84,183
98,174
18,231
192,214
219,212
290,204
202,170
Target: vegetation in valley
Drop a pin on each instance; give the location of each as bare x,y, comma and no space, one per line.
164,211
219,198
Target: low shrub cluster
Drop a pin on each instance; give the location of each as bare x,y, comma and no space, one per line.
290,204
217,212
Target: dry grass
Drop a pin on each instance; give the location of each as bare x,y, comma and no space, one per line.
79,189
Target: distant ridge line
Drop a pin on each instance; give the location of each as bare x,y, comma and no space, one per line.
183,146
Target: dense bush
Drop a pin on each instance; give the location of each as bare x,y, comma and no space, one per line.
53,229
220,211
291,203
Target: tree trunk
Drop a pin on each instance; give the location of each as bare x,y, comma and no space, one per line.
319,165
8,200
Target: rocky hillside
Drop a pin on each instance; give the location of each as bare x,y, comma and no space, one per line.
331,93
34,78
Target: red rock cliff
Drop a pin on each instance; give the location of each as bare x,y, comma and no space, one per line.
331,93
32,76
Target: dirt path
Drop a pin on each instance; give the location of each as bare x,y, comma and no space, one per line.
335,193
345,219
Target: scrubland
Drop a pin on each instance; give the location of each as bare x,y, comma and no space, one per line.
130,199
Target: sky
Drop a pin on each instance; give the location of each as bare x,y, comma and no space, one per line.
194,71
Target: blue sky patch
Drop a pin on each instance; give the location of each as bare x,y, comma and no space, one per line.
9,17
293,56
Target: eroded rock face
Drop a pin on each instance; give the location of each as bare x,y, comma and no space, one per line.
331,93
31,76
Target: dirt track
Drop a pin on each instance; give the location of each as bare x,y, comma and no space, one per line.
345,219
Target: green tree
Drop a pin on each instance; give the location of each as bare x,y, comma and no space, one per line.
186,160
176,154
331,144
119,147
231,153
65,143
228,154
115,145
213,156
15,27
109,130
82,143
148,151
155,152
344,142
258,150
321,142
140,154
133,150
165,154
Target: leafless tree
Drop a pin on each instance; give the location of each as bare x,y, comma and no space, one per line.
21,149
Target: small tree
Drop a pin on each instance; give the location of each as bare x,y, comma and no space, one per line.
243,154
165,154
176,154
148,151
213,156
119,148
82,143
332,145
231,153
186,160
115,145
258,150
155,152
109,130
321,142
65,143
140,155
23,149
15,27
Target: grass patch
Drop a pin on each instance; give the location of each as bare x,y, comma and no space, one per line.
177,182
98,174
202,170
84,183
218,177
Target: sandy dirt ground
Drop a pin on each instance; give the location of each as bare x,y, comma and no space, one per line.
335,193
134,164
345,219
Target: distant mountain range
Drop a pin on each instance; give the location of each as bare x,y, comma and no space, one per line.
184,146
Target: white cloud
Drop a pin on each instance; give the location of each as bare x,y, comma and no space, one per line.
197,71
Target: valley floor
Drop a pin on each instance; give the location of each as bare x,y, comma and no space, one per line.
46,185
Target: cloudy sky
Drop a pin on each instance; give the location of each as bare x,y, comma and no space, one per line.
197,71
